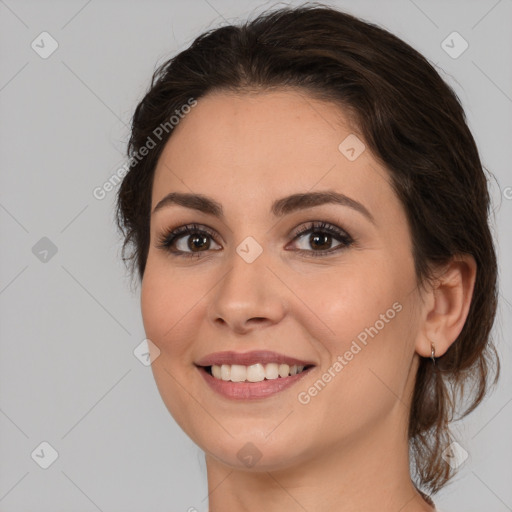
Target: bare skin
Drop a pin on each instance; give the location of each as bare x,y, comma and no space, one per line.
346,449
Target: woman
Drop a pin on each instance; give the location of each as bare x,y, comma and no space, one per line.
307,213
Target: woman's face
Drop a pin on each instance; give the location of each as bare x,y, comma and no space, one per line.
341,298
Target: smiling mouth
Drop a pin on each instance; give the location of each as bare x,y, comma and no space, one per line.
254,373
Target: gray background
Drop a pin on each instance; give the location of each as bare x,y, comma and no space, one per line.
69,324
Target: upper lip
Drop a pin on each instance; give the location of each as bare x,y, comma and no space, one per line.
249,358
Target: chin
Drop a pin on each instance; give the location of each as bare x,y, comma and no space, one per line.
250,456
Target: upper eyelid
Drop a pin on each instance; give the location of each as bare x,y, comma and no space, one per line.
320,225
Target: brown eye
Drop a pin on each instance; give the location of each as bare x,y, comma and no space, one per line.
198,242
187,240
320,241
321,237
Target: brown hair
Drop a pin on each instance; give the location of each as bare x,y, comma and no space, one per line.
412,122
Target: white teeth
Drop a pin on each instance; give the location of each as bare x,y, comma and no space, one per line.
217,372
238,373
272,371
225,372
255,372
284,370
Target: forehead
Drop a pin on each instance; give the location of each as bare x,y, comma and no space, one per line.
251,145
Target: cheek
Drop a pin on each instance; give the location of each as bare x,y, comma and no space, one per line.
367,310
165,301
154,304
350,300
167,310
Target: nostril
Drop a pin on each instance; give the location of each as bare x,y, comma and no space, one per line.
257,319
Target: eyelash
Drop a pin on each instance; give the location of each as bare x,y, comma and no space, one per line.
169,237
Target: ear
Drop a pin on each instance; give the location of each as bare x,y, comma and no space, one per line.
446,305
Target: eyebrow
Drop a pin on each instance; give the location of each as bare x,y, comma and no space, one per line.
280,207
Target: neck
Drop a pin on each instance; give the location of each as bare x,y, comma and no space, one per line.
368,472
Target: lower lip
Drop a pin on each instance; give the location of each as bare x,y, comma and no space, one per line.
251,390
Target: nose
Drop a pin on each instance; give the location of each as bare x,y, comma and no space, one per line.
249,296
